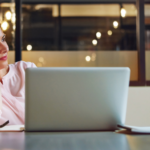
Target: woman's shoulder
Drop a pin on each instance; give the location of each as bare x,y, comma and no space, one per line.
18,68
23,65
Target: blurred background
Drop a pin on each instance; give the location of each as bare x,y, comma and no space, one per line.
77,35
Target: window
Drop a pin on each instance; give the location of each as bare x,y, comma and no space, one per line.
84,35
147,40
80,35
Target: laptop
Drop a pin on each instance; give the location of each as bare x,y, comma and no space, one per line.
75,99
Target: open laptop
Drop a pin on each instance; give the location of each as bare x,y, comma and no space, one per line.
75,99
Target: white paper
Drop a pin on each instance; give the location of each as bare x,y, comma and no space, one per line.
138,129
141,129
12,128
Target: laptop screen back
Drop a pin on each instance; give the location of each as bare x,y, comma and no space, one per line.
75,99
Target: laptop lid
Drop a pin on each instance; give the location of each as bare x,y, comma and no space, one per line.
75,99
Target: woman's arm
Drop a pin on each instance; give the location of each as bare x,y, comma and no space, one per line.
0,101
5,123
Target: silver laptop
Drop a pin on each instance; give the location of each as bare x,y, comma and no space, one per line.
75,99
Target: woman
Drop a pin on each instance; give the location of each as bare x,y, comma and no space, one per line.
12,84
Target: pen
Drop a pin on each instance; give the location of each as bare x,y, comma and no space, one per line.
4,124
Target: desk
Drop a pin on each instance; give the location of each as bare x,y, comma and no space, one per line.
73,141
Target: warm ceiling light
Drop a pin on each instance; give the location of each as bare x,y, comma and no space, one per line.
13,19
4,25
123,12
115,24
8,15
29,47
39,65
14,27
87,58
41,59
109,32
94,42
98,35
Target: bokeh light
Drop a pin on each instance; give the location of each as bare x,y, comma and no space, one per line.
98,35
94,42
87,58
4,25
29,47
13,19
123,12
115,24
109,32
8,15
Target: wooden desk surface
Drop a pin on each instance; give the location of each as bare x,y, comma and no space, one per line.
72,141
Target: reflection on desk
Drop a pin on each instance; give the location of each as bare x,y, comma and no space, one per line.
73,141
